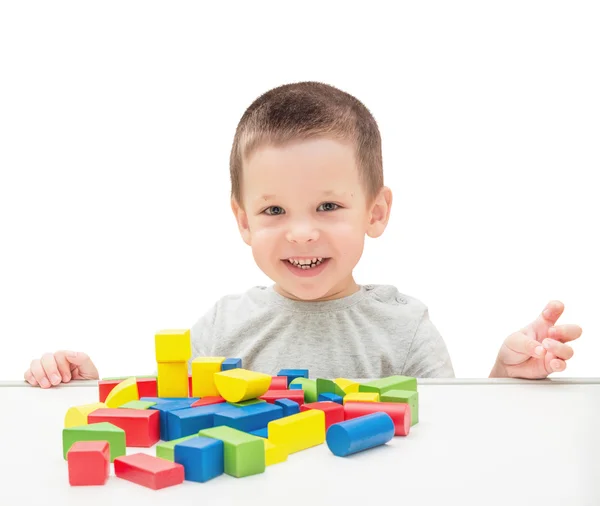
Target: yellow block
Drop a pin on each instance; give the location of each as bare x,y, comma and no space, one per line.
348,386
203,371
274,454
173,345
362,397
236,385
172,379
299,431
124,392
78,415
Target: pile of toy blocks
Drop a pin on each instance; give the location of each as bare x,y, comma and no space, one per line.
222,418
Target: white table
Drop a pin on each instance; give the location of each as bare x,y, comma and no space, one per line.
478,442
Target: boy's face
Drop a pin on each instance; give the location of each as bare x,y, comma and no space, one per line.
305,202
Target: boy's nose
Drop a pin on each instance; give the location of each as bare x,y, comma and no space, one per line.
302,234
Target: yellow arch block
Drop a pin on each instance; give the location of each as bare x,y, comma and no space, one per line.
78,415
237,385
362,397
124,392
348,386
203,371
274,454
299,431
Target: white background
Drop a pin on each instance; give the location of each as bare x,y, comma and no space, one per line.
116,121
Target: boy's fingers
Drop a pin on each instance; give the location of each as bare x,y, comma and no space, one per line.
50,367
567,332
64,368
560,350
85,366
29,378
520,343
39,374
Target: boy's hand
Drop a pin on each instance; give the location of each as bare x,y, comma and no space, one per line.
538,349
62,366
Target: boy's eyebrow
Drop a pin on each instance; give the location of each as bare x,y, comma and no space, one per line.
326,193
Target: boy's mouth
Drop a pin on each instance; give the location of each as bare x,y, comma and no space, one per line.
305,263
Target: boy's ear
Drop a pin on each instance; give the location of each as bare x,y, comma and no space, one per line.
242,221
379,213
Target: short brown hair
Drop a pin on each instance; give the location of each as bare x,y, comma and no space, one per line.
304,110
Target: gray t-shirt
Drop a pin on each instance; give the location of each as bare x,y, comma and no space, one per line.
372,333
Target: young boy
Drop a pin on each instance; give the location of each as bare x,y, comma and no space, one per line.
307,187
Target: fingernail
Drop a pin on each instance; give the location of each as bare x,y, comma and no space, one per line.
547,313
539,350
45,383
55,379
546,343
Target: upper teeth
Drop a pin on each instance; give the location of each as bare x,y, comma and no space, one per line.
304,261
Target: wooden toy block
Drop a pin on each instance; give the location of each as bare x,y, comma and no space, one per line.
203,376
293,395
358,434
238,385
274,454
264,433
146,386
206,401
362,397
138,405
331,397
300,431
104,431
88,463
201,457
348,386
295,386
118,379
325,386
383,385
163,400
172,379
292,374
244,453
249,402
279,383
164,408
184,422
309,386
190,385
289,407
334,412
248,418
149,471
231,363
77,415
405,396
173,345
400,413
166,449
125,391
141,426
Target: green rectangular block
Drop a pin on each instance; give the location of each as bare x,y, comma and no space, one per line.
383,385
244,453
166,449
246,403
407,396
326,386
138,404
102,431
310,388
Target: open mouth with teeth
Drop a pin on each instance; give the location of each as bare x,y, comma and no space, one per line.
306,263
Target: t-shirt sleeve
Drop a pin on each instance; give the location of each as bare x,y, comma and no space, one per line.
202,333
428,356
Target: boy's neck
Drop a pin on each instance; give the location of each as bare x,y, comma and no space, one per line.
344,289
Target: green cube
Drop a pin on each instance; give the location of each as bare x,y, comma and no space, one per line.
326,386
310,388
246,403
102,431
166,449
244,453
407,396
383,385
138,404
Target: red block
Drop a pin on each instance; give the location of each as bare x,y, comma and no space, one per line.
105,387
334,411
293,395
89,463
141,426
146,387
398,411
278,383
206,401
189,385
149,471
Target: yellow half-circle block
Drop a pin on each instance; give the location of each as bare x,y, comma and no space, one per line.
124,392
274,454
78,415
348,386
236,385
362,397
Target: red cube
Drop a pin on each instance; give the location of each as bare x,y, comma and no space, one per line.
89,463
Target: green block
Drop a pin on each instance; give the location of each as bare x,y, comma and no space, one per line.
246,403
166,449
137,404
244,453
121,378
383,385
326,386
407,396
310,388
102,431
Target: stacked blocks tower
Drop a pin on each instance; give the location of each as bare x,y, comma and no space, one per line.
173,349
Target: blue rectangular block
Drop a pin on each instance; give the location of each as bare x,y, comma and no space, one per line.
201,457
295,386
231,363
248,418
264,432
330,397
165,407
292,374
185,422
289,407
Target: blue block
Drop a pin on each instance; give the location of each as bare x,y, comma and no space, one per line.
161,400
201,457
264,433
231,363
292,374
330,397
295,386
248,418
164,407
358,434
289,407
185,422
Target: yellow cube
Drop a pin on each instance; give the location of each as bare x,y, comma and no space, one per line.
172,379
362,397
298,431
125,391
348,386
236,385
78,415
274,454
173,345
203,371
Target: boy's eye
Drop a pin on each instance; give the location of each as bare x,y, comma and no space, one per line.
276,210
329,206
